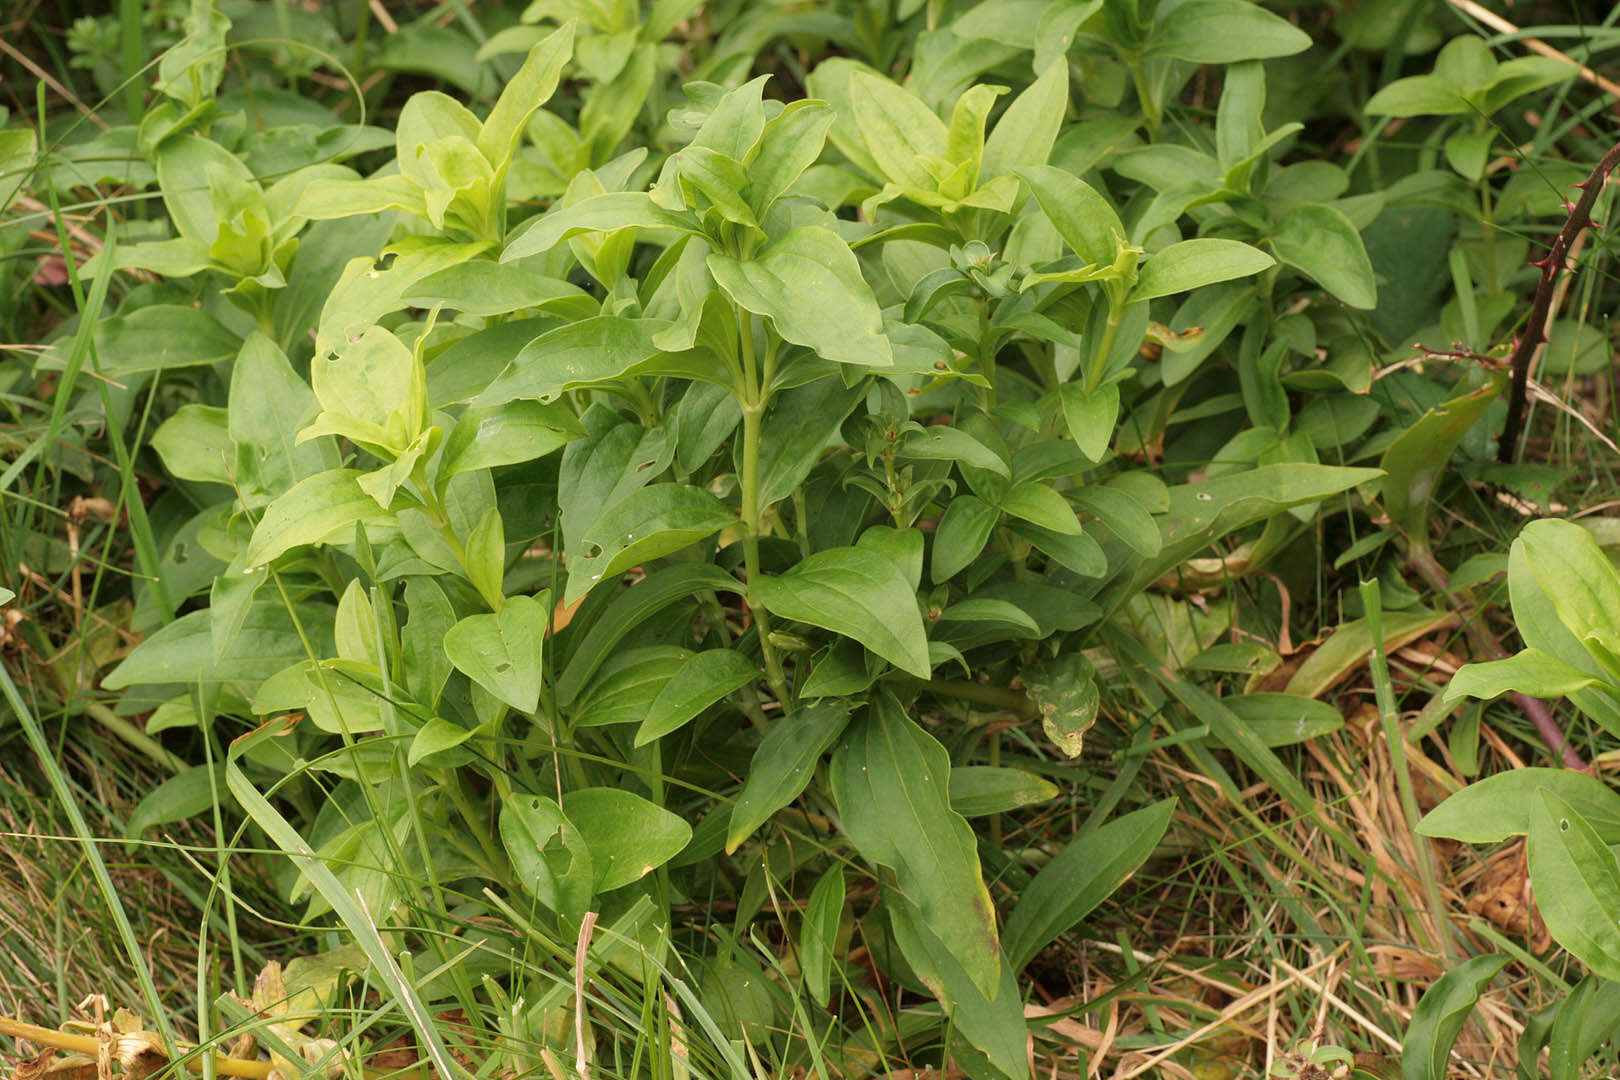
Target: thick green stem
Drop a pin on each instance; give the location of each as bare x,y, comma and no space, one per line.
751,529
983,694
1099,359
755,393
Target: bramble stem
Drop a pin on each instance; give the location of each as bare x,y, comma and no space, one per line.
1535,331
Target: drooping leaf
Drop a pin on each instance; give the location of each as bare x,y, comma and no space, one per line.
891,782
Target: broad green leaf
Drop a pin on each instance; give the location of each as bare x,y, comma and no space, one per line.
154,337
942,442
1203,512
548,852
1084,218
506,434
364,293
600,213
481,287
183,651
1077,552
790,144
1321,242
809,285
644,525
1026,131
1577,883
1540,626
1192,264
1082,876
903,547
898,129
818,934
1040,505
1531,672
525,92
1489,811
627,684
1440,1016
369,381
1421,455
963,532
1090,416
438,736
783,765
502,652
980,609
429,618
1224,32
1581,583
195,444
1122,513
614,459
803,422
628,836
859,594
268,404
1419,95
891,782
311,512
485,561
586,353
330,198
981,790
964,139
703,680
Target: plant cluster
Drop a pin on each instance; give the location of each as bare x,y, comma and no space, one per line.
639,533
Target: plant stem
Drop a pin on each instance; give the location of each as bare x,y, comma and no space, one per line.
983,694
756,392
1099,359
1535,330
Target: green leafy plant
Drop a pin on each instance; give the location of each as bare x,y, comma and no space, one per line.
677,556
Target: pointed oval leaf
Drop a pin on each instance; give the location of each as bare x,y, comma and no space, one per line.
809,285
703,680
1489,811
783,765
891,781
1082,876
502,652
1192,264
859,594
628,836
1320,242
